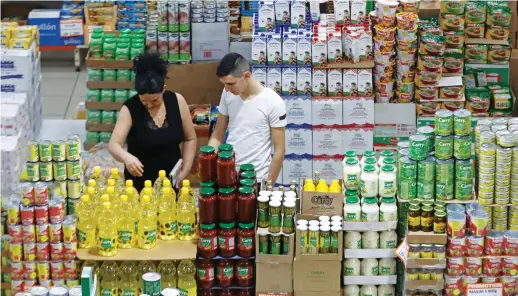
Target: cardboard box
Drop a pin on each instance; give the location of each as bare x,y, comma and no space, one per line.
298,109
329,166
50,25
327,140
390,129
419,237
318,293
295,167
326,111
496,74
20,70
358,111
210,41
274,277
299,139
336,257
317,276
357,138
263,258
370,280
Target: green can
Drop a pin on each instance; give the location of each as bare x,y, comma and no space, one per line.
60,170
120,95
59,151
425,189
463,190
443,147
407,169
46,171
275,244
71,205
443,123
33,151
428,132
74,189
462,122
73,169
285,244
108,117
45,150
132,93
33,171
109,74
263,241
93,116
73,149
106,96
407,189
418,148
95,74
123,75
462,147
151,284
104,137
464,170
93,95
444,190
444,170
426,169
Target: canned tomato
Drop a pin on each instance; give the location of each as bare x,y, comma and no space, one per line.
42,251
462,122
41,214
443,123
456,247
464,170
16,270
473,266
428,132
15,252
455,266
474,246
17,286
45,149
27,190
73,149
492,266
15,233
29,234
56,211
59,152
510,243
32,151
444,170
456,225
30,272
418,147
26,215
444,190
57,270
462,147
444,147
510,266
463,190
56,251
71,269
33,171
426,169
29,252
46,171
69,250
509,283
60,171
453,285
73,169
42,233
69,230
13,213
41,193
55,232
43,269
73,189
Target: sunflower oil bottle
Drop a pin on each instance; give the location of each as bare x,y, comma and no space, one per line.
186,217
107,232
128,283
147,190
132,193
98,177
126,231
167,215
167,183
316,178
322,186
335,187
187,183
186,280
309,186
94,196
119,183
86,225
109,279
147,225
157,186
167,271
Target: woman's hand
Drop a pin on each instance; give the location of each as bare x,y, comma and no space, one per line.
133,165
179,179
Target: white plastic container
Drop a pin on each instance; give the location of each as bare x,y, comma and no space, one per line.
387,266
370,240
353,240
352,267
369,181
388,239
370,210
368,290
387,181
352,209
352,172
369,267
388,209
352,290
386,290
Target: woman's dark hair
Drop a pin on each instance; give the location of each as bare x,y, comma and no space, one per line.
150,73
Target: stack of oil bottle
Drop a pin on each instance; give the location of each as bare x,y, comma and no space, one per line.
227,214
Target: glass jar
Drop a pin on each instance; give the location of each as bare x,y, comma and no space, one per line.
225,273
244,273
263,209
122,52
227,292
227,148
206,278
246,205
246,240
414,218
372,161
244,292
369,181
208,242
226,169
211,184
426,251
207,293
365,155
414,251
208,210
226,239
288,222
109,48
427,219
274,216
247,175
352,209
207,163
370,209
352,172
227,205
384,154
439,222
246,167
388,209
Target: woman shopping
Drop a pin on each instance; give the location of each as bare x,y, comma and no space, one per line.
156,124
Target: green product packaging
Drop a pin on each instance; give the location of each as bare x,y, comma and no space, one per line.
93,95
104,137
93,116
106,95
92,137
95,74
123,75
122,52
109,74
108,117
109,47
120,96
132,93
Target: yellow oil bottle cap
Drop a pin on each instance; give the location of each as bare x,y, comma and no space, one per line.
129,183
124,198
147,191
105,198
85,198
186,183
90,190
97,169
107,205
147,183
167,183
161,174
91,183
110,182
129,190
115,171
185,190
166,190
145,198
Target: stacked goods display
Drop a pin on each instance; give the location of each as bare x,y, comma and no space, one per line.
497,164
226,247
131,15
476,254
19,37
209,11
486,97
110,47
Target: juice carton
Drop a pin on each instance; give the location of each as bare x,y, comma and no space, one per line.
259,74
185,46
266,16
184,16
365,82
334,47
358,11
174,46
289,49
298,14
314,9
342,11
298,110
289,81
367,52
320,82
319,51
334,82
274,49
304,81
350,82
172,16
304,48
259,49
273,79
282,12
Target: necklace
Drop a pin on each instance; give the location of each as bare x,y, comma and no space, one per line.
160,116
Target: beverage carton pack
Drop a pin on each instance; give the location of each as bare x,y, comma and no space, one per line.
358,111
330,167
358,45
342,11
334,82
298,14
289,81
282,12
304,81
319,50
266,16
358,139
298,110
358,11
350,82
274,79
260,75
274,49
289,48
299,139
296,167
319,82
326,111
365,87
259,49
304,48
334,47
327,140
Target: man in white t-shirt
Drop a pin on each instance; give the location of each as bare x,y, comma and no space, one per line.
255,117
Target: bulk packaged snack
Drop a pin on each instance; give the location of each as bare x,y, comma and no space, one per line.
454,39
475,30
451,92
427,78
451,22
497,33
476,53
453,7
475,13
426,93
498,14
498,54
453,61
478,100
432,44
429,63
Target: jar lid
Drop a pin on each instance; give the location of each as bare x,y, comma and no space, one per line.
302,227
427,209
389,199
336,228
207,191
370,200
225,147
369,168
226,190
323,218
246,167
207,226
263,198
207,149
350,153
227,225
387,168
302,222
414,208
313,227
336,218
370,160
246,182
246,190
351,192
275,203
389,160
368,153
351,161
246,225
387,153
352,200
225,155
440,214
109,40
325,228
265,192
247,174
288,204
208,184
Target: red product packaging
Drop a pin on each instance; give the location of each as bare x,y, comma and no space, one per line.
473,266
16,270
456,247
492,266
509,285
511,243
17,286
27,215
57,270
455,266
30,271
56,211
29,234
42,233
56,251
494,243
15,233
29,284
453,285
42,251
55,233
29,252
69,251
71,269
510,266
474,246
41,214
41,193
27,193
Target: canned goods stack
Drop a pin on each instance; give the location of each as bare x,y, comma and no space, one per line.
53,169
476,254
497,157
209,11
131,15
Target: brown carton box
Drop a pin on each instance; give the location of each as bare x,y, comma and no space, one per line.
318,276
318,293
264,258
273,277
315,203
317,257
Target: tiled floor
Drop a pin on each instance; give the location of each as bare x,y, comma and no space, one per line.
62,88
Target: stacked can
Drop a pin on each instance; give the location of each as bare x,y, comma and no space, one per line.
4,247
209,11
406,53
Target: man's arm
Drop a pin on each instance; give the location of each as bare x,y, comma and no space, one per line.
278,138
218,135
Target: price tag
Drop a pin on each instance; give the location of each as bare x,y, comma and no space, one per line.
71,28
402,251
495,289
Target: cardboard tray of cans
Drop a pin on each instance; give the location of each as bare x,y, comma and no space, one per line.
110,84
420,237
369,226
317,257
370,280
103,106
369,253
348,65
426,262
99,127
425,284
104,64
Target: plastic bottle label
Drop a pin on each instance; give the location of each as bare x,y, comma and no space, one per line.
106,243
385,270
125,236
129,292
349,271
206,273
224,273
208,243
151,236
350,217
168,228
275,220
108,292
334,241
245,243
185,228
244,273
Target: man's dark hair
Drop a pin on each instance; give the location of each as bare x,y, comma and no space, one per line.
232,64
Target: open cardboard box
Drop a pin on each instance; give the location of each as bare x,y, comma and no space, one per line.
274,277
321,276
317,257
316,203
265,258
420,237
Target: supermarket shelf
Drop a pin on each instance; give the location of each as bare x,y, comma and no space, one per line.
164,250
370,280
420,237
426,262
5,269
99,127
230,288
369,226
103,106
110,84
228,258
347,65
369,253
104,64
6,286
424,284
